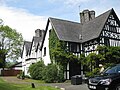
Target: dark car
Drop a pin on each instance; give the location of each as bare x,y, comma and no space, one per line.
107,80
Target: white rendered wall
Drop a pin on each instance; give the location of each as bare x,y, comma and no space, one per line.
46,58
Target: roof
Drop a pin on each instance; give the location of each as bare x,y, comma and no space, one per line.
79,32
26,46
66,30
36,41
93,28
71,31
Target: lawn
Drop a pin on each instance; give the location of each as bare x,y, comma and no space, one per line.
10,86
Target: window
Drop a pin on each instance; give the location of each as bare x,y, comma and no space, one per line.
44,51
73,47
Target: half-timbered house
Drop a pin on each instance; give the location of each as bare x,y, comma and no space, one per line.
82,37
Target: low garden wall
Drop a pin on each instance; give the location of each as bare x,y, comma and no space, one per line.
11,72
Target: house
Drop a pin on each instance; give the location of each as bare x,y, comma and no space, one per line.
82,37
31,54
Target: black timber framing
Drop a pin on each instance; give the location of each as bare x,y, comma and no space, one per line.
111,31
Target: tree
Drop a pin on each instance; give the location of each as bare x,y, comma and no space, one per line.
10,43
2,57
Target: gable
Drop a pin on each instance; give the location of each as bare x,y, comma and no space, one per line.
93,28
112,27
34,44
26,48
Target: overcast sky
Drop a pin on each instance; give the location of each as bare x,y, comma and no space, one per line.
28,15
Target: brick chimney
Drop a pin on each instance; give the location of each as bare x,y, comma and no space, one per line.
86,16
39,33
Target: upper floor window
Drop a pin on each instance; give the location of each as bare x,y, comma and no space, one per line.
74,47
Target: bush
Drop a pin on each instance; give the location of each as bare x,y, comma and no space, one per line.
36,70
60,74
52,74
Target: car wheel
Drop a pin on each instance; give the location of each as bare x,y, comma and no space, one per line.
117,87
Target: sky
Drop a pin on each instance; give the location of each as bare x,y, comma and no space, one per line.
28,15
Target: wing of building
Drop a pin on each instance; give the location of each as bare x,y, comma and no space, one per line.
81,37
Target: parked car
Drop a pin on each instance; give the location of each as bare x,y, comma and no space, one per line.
109,79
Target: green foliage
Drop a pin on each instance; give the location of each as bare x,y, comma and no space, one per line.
82,59
53,73
36,70
58,50
11,42
107,56
50,73
95,71
113,55
2,58
92,61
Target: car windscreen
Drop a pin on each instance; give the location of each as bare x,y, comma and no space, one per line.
112,70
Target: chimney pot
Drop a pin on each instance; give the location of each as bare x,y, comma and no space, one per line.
87,15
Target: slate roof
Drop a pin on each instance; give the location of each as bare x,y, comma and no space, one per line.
66,30
71,31
93,28
27,46
36,41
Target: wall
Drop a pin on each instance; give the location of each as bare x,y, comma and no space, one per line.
46,58
10,72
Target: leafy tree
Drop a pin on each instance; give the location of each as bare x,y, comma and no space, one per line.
10,42
2,58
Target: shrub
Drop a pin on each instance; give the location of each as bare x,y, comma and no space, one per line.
36,70
52,74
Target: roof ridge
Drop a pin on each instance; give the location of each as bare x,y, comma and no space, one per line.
64,20
104,13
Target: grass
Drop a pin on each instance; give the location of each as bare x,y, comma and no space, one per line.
10,86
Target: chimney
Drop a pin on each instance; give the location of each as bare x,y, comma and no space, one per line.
86,16
92,15
39,33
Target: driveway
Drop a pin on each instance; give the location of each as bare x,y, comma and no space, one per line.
66,86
